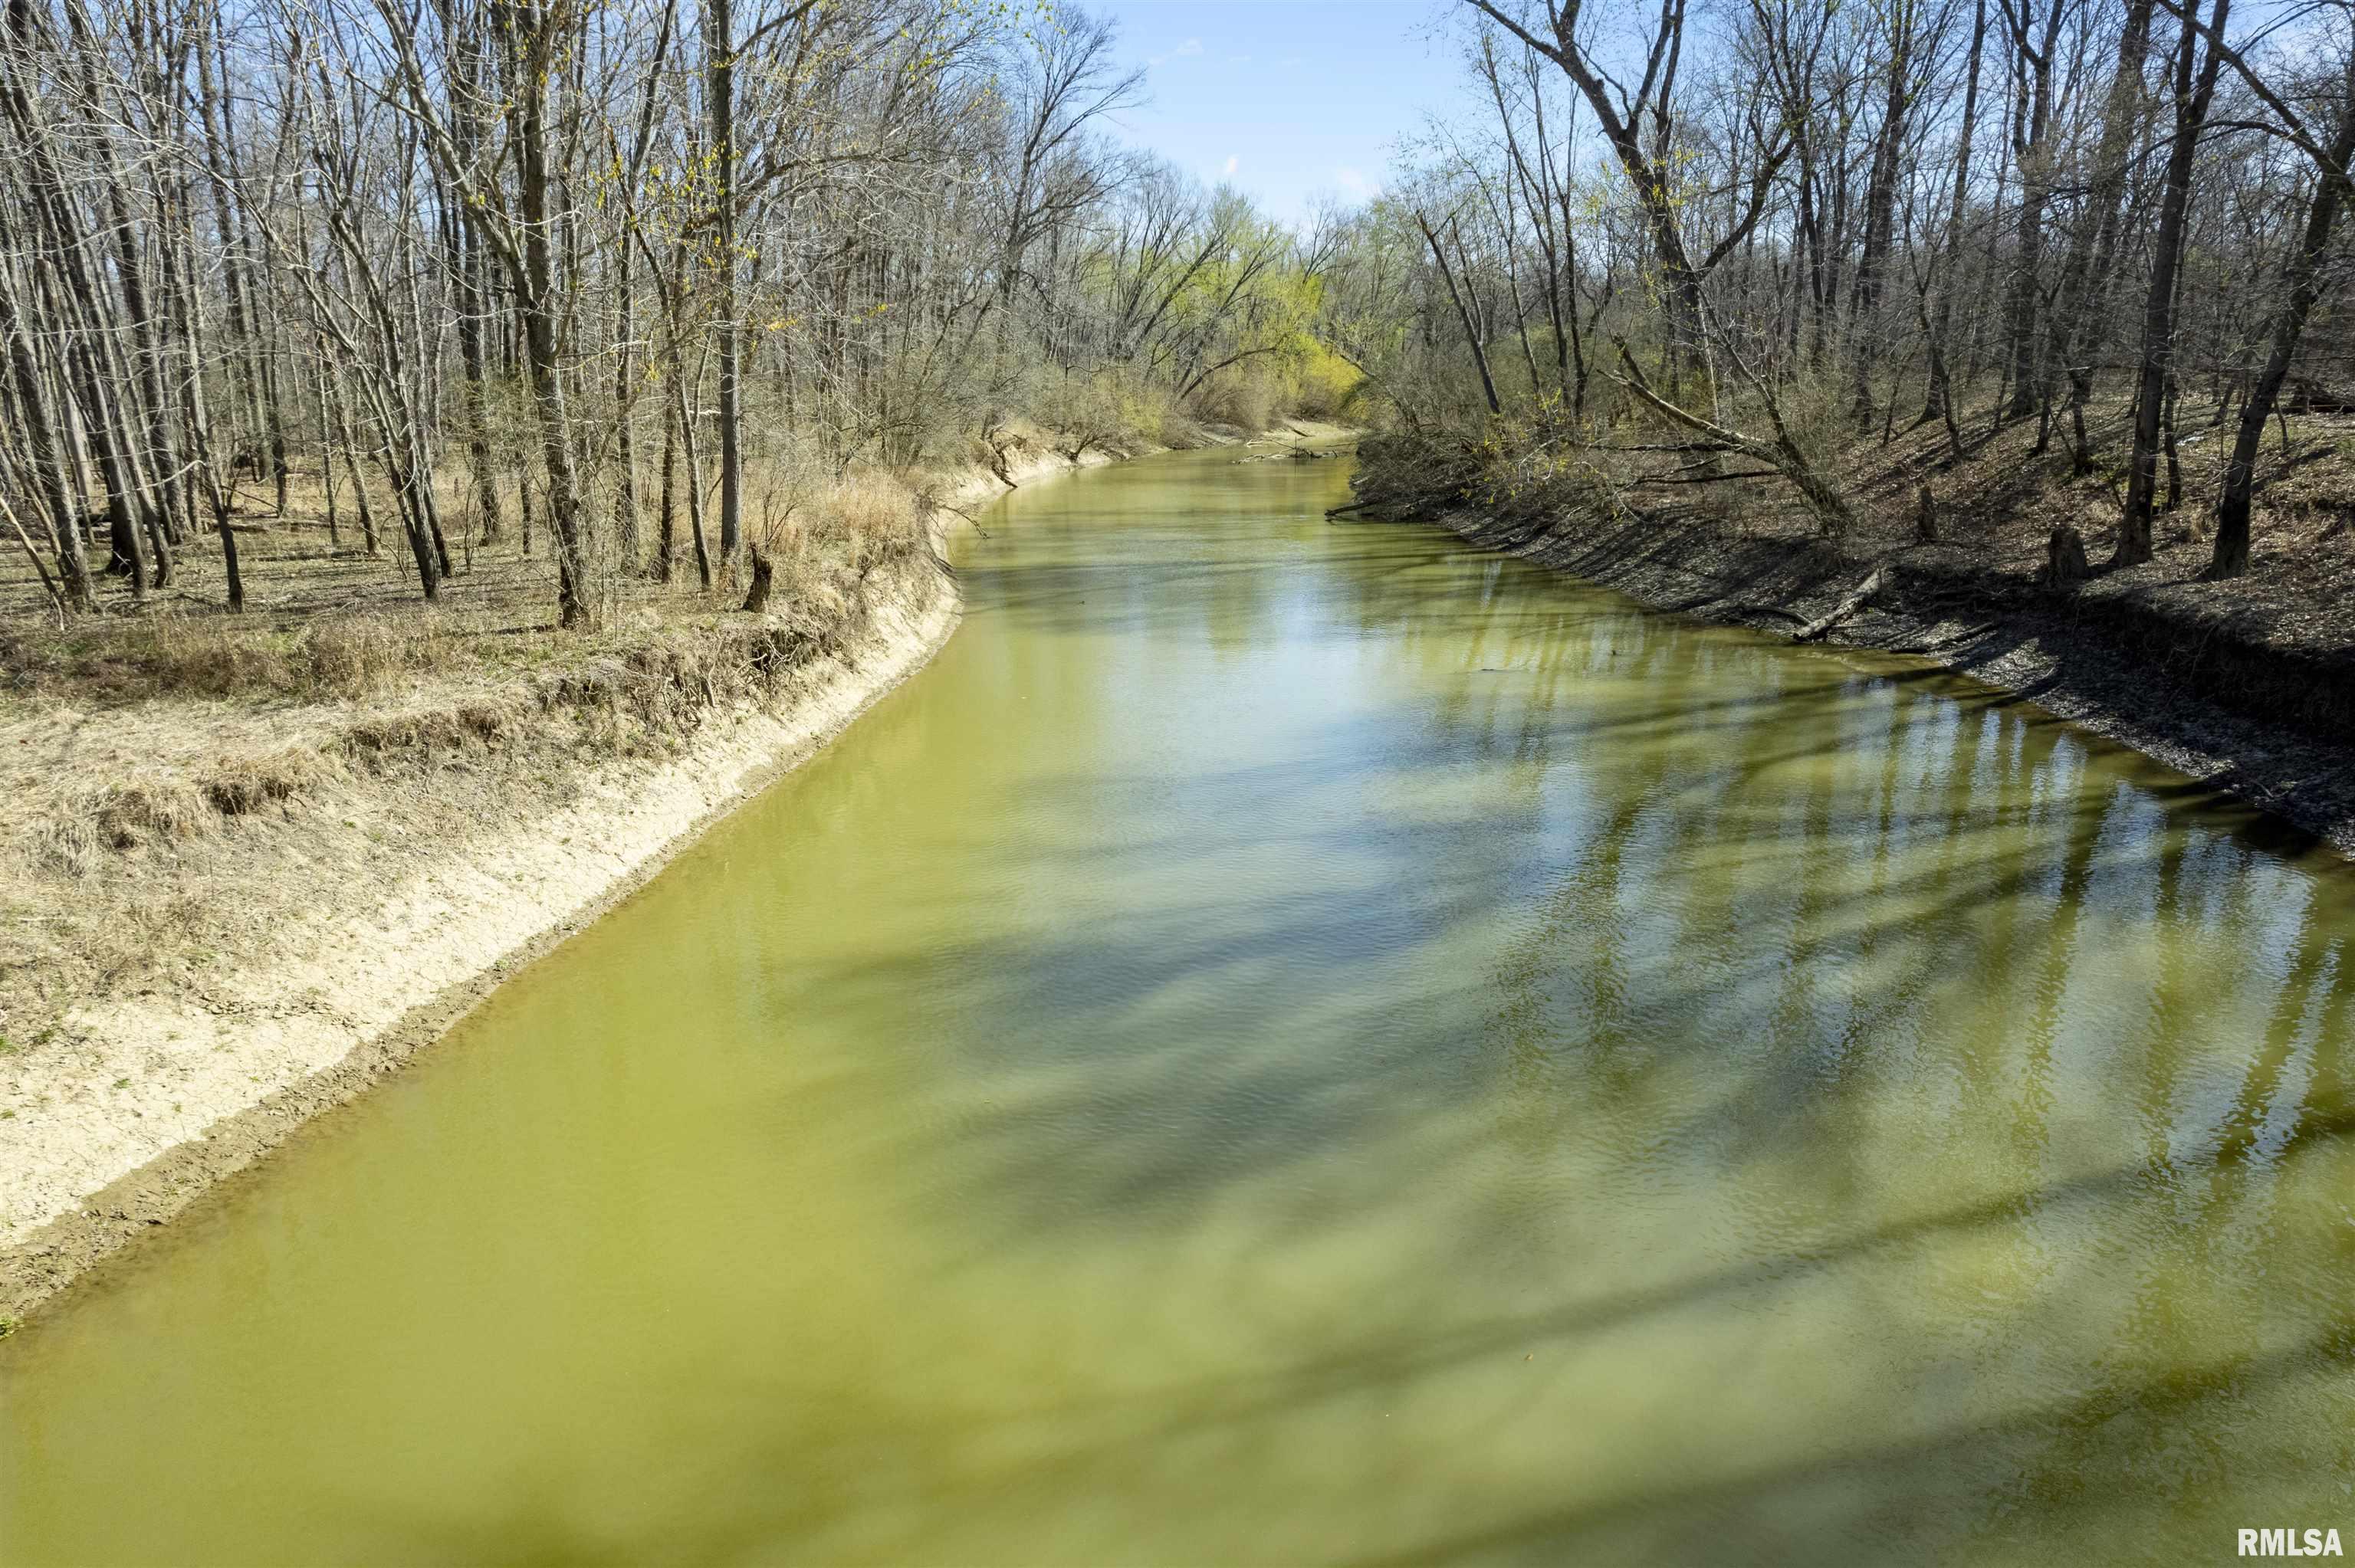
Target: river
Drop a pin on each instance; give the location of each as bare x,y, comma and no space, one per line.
1296,1043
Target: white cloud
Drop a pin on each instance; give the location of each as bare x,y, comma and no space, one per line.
1232,162
1190,47
1355,181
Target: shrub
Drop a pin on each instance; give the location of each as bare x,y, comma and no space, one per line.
354,655
1245,397
842,530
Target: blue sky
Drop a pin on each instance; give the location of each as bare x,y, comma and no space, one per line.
1285,99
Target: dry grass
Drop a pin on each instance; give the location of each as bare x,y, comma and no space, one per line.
171,775
852,525
178,651
329,622
85,820
88,820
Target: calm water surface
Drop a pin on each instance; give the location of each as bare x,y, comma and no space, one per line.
1300,1043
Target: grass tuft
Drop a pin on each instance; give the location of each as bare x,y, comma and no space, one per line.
210,653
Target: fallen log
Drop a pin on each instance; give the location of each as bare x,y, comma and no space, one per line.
1853,601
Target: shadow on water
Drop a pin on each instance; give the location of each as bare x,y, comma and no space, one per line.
1793,929
1859,1503
1297,1046
1166,1116
2059,1462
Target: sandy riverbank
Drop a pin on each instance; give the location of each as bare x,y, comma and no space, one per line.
384,905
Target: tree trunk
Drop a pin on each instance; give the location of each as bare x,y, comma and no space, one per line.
2193,93
2302,276
470,297
720,43
44,453
694,488
757,599
2035,151
666,504
1463,314
537,305
2084,276
1881,204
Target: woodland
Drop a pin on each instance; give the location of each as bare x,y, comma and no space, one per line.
2060,281
632,288
560,316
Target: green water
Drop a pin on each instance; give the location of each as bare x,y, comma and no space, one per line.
1300,1043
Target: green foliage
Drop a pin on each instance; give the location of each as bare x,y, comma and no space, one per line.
1324,385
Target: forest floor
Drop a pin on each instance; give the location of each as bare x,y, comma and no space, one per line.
248,864
2246,686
